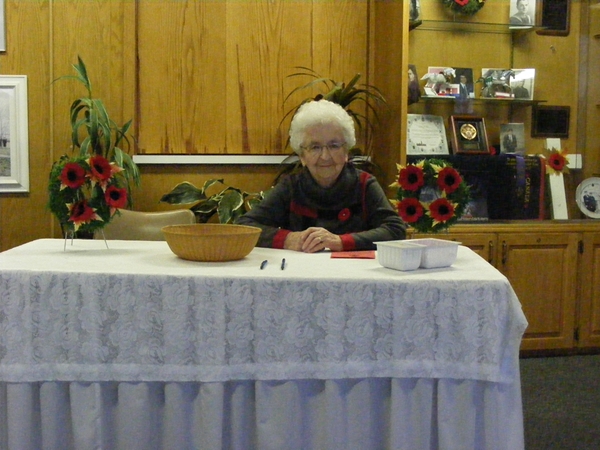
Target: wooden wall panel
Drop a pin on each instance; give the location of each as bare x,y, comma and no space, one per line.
213,76
103,34
23,217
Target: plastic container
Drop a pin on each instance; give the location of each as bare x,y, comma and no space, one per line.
437,252
399,255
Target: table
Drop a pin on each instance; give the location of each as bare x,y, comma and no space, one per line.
130,347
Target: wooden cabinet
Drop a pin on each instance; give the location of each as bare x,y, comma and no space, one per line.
542,268
554,268
589,291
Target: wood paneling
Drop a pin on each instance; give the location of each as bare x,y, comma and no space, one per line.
23,216
213,75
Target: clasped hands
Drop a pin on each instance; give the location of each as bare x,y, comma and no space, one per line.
313,239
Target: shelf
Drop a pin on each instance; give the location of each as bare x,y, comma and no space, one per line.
469,26
497,101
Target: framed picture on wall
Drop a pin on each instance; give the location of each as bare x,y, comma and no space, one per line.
14,144
2,27
555,17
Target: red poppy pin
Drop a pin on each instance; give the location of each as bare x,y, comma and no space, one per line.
344,214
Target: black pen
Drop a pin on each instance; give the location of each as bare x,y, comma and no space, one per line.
263,264
283,264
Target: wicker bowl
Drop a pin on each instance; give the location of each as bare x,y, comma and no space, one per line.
211,242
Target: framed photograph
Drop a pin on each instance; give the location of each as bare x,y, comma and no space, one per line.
512,138
14,145
2,27
464,81
550,121
555,17
415,11
521,83
522,13
426,135
469,135
414,88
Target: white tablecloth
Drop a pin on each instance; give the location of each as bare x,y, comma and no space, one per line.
328,353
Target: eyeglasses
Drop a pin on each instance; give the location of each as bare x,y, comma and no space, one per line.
317,149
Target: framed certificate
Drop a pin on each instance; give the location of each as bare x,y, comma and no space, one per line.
426,135
469,135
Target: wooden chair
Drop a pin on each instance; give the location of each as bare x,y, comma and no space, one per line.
143,226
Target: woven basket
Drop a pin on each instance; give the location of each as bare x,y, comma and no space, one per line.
211,242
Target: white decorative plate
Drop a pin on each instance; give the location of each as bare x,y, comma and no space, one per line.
587,197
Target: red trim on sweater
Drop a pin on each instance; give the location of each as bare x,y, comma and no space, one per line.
279,238
348,242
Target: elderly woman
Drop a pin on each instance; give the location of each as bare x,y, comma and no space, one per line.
329,203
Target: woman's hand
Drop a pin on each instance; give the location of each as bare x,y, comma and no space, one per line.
313,240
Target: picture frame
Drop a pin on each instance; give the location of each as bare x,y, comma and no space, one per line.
469,135
555,17
14,144
2,26
522,83
522,14
512,138
550,121
414,13
468,90
414,88
426,135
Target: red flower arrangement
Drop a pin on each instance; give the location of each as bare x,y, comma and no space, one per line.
87,189
85,193
466,7
431,195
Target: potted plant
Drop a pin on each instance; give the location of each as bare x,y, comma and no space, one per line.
87,188
227,202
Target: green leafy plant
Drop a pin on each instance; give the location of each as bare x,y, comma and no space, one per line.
344,94
93,132
228,202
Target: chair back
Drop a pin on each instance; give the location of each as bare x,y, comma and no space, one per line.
144,226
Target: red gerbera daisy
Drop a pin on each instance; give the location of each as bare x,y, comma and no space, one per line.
102,170
461,2
557,161
115,198
82,213
410,209
411,178
448,180
441,210
72,175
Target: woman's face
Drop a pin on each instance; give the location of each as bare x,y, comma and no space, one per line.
324,153
411,75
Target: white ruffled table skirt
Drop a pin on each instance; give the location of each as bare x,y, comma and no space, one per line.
374,413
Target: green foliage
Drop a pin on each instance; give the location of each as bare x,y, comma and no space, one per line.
93,132
228,203
344,94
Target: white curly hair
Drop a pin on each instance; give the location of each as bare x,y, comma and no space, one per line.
321,112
